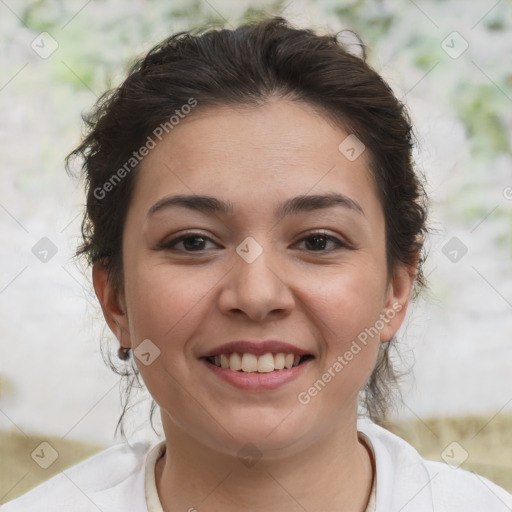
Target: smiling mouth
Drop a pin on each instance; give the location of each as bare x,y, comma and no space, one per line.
251,363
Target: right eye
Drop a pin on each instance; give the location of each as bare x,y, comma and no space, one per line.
191,242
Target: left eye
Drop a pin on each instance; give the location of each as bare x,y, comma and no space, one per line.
317,242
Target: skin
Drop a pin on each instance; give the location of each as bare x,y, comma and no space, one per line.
187,303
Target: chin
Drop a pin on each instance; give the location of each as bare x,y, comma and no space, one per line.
271,435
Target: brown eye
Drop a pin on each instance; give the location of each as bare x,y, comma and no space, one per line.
190,243
317,242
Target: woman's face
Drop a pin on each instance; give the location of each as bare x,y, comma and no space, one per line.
275,265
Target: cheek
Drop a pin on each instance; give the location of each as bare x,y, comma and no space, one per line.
350,300
163,301
348,307
165,305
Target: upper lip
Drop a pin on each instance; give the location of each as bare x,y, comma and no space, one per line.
257,348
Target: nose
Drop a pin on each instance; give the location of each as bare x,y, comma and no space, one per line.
257,289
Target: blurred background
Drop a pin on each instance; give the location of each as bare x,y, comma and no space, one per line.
446,59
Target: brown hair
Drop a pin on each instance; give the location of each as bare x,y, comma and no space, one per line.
247,66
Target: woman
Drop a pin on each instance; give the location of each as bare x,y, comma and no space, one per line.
255,228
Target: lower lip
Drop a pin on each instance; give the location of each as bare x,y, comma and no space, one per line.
257,381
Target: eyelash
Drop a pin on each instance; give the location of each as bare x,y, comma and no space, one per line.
171,243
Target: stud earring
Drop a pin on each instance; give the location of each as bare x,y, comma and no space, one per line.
123,353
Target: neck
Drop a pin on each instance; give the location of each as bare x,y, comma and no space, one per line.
335,470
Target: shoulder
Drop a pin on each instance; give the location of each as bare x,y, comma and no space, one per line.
407,482
458,489
110,480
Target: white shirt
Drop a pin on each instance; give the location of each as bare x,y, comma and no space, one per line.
122,479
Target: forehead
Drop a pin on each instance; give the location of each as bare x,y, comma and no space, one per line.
253,156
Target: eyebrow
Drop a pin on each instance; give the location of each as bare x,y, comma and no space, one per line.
293,206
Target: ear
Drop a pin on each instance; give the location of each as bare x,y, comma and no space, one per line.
112,304
398,295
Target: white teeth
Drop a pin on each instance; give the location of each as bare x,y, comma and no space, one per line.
224,361
279,361
266,363
251,363
235,362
